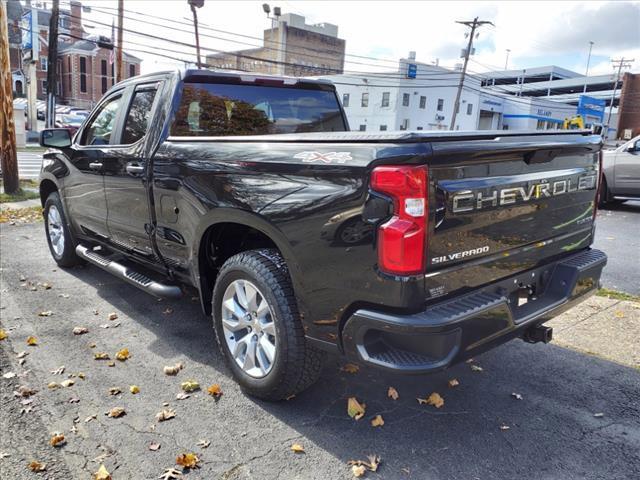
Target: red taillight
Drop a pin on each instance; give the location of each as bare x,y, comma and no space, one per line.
402,239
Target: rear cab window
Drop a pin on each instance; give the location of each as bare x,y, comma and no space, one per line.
137,120
217,109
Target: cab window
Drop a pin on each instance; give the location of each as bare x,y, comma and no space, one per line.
137,121
101,127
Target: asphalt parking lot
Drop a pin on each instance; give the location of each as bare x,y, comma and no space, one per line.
553,431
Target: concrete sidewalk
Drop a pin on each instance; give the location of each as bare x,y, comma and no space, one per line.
34,202
605,327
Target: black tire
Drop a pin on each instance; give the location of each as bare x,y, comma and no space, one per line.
296,364
66,257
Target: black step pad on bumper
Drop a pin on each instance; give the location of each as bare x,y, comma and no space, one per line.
456,329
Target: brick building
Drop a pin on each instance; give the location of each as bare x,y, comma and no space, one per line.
629,107
85,71
303,49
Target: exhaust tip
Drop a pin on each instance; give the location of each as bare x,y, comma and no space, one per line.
537,334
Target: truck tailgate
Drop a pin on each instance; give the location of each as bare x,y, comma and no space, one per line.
501,206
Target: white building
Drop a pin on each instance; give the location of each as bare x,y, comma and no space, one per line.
417,96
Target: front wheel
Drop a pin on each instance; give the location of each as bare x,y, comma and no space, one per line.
62,245
258,327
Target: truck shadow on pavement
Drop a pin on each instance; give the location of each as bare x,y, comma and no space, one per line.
482,431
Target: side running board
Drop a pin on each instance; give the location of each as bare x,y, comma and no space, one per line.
134,278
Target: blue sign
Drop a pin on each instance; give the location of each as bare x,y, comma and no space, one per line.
412,70
593,107
26,24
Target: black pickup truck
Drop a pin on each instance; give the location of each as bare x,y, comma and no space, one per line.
409,251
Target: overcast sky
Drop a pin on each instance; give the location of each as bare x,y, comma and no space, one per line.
537,33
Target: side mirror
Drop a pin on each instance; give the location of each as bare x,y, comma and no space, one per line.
55,138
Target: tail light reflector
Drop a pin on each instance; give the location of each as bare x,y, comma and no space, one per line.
402,239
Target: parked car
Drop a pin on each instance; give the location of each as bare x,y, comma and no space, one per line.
621,173
70,122
233,183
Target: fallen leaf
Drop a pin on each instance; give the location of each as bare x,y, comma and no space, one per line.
377,421
182,396
9,375
154,447
297,448
36,466
204,443
134,389
350,368
358,470
113,316
355,409
504,427
67,383
123,355
619,314
215,391
82,375
58,371
32,341
111,364
517,396
116,412
74,429
64,295
598,415
110,325
46,313
173,370
115,391
190,386
453,383
89,418
80,330
3,334
476,368
53,385
167,311
22,354
101,356
165,414
46,285
57,440
74,400
188,460
392,393
102,474
434,399
170,474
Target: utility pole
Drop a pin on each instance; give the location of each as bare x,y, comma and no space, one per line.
473,25
8,152
119,72
196,4
586,73
52,65
621,62
506,62
524,72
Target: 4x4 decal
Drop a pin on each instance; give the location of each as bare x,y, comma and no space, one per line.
326,157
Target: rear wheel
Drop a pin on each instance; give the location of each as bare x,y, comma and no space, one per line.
258,327
62,245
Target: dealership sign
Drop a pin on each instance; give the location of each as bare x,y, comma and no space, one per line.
592,107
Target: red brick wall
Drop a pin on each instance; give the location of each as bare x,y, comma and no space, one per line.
629,111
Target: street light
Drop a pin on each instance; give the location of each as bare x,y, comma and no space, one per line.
586,73
196,4
282,41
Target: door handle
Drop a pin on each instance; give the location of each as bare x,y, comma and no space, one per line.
134,168
95,165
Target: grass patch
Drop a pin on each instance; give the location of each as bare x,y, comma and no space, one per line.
615,294
19,196
21,215
32,149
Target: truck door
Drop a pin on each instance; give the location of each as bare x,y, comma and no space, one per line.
129,218
84,186
627,170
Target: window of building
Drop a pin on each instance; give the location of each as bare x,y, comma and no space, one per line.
101,126
83,74
405,124
132,71
440,105
363,128
541,125
385,98
405,99
423,102
43,64
135,126
44,86
469,108
365,100
103,72
420,128
383,128
345,100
